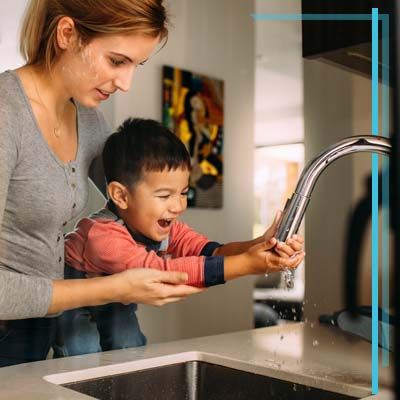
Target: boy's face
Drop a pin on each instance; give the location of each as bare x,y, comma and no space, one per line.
156,201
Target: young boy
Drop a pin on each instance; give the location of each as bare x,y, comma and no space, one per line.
147,170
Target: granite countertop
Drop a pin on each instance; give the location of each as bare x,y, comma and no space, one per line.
302,353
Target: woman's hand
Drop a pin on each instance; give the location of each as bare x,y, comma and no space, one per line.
150,286
147,286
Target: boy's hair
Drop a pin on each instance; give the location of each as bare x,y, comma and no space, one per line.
141,145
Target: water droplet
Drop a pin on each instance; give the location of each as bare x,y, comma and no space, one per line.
312,325
294,387
315,343
282,337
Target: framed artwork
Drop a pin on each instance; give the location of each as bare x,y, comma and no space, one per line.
192,108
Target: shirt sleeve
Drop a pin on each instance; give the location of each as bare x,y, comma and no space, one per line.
74,245
21,296
209,248
185,241
109,248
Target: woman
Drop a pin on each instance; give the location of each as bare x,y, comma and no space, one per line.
78,53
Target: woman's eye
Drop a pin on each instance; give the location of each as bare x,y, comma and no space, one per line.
164,197
116,62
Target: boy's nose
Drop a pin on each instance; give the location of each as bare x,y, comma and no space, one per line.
178,206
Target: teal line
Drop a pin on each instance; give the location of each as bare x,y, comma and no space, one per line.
313,17
375,217
385,221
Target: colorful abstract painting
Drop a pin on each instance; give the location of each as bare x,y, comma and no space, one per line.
193,109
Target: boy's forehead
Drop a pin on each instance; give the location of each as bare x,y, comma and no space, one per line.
166,177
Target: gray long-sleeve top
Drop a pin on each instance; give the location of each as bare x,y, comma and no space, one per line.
39,194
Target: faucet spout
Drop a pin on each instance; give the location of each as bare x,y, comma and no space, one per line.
297,204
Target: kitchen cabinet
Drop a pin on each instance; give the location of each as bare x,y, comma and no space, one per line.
344,43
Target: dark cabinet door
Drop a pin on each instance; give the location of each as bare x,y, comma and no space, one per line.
344,43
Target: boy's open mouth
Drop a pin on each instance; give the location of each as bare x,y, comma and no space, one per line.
164,223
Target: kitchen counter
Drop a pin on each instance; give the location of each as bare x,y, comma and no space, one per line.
302,353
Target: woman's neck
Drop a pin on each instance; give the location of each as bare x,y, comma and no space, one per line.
45,87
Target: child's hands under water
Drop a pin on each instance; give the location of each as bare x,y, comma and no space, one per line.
292,248
265,255
271,256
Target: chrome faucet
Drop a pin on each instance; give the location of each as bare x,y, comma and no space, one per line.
296,205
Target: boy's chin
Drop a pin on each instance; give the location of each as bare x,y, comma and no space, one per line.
158,237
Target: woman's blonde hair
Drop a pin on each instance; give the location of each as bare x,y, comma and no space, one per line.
92,18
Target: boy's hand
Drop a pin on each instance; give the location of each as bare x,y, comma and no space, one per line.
263,259
292,245
271,231
289,248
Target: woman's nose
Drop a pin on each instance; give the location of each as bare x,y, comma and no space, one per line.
124,78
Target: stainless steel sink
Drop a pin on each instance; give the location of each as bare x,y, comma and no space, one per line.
196,380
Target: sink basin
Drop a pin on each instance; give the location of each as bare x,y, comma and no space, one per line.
196,380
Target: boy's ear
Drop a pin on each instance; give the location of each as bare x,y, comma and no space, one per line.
118,193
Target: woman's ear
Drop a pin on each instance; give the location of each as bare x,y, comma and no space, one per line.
118,193
66,33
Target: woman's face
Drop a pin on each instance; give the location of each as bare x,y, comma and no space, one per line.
103,66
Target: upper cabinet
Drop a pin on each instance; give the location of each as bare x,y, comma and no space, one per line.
345,43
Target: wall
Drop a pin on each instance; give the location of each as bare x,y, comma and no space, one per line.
278,120
328,118
362,169
337,105
214,38
279,72
10,17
